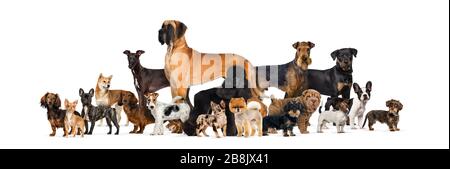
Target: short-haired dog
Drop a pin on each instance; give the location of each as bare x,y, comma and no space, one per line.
75,122
390,117
338,116
359,104
217,120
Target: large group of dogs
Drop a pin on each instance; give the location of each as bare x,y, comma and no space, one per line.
235,108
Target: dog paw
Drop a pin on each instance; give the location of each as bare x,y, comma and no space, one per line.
116,133
285,135
293,135
108,133
371,129
397,129
51,135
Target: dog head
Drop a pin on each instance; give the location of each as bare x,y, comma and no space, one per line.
294,109
127,98
310,99
302,57
151,100
218,108
344,58
104,82
363,93
171,31
50,100
237,105
70,106
86,98
133,58
394,107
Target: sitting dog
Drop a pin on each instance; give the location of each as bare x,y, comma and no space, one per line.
218,120
136,114
55,115
339,117
336,80
359,105
390,117
75,122
310,100
247,116
287,121
165,111
94,113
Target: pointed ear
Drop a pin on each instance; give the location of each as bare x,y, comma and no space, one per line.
110,77
139,52
211,104
126,52
356,88
354,52
101,75
335,54
222,104
43,100
295,45
91,92
369,86
81,92
75,102
311,45
66,102
156,95
181,29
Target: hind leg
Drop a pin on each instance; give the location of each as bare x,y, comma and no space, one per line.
224,130
371,123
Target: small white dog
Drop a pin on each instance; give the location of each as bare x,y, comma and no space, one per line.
359,105
334,116
178,109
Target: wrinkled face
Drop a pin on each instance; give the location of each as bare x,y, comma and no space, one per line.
302,56
344,58
237,105
170,31
70,106
363,93
394,107
151,100
311,99
104,82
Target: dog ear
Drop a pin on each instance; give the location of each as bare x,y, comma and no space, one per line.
91,92
356,88
126,52
222,104
139,52
211,104
44,100
101,75
369,86
295,45
181,29
133,99
335,54
156,95
110,77
354,52
75,102
81,92
389,103
66,102
311,45
400,106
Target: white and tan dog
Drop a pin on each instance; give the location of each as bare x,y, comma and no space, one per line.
246,116
106,97
334,116
359,105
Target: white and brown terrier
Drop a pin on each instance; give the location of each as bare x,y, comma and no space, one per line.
217,120
72,120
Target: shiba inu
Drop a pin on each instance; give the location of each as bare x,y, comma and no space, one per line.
106,97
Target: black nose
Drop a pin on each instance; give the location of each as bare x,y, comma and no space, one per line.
107,86
152,107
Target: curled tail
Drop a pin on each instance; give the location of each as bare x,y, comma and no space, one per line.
253,105
367,115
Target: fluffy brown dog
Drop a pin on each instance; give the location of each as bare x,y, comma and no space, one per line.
140,116
310,99
390,117
75,122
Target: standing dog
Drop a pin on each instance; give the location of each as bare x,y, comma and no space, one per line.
287,121
55,115
75,122
106,97
390,117
94,113
336,80
359,105
180,59
247,116
338,116
136,114
218,120
291,76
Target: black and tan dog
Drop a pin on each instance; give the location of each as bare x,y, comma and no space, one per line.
337,80
390,117
291,76
185,66
286,121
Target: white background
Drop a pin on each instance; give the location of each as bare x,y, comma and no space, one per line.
60,46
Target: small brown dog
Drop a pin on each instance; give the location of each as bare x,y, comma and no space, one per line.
310,99
218,120
138,115
72,120
390,117
246,116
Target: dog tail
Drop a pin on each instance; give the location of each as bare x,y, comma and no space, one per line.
320,108
367,115
253,105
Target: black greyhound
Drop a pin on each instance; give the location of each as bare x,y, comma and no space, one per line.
94,113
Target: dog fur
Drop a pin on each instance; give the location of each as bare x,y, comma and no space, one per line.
106,97
286,121
217,120
136,114
247,116
76,123
359,104
390,117
55,115
337,116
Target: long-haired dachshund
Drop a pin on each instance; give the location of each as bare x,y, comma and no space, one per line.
55,115
136,114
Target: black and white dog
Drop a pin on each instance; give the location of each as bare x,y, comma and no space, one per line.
359,104
94,113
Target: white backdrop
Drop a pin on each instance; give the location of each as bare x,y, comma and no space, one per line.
60,46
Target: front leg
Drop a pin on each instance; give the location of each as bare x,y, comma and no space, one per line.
53,131
115,121
290,130
352,119
360,121
285,134
108,122
395,126
134,129
92,127
86,126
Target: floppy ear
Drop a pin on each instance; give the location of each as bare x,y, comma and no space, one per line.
335,54
388,103
181,29
356,88
81,92
140,52
354,52
58,101
400,106
295,45
91,92
222,104
127,52
133,99
311,45
369,86
119,100
43,100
